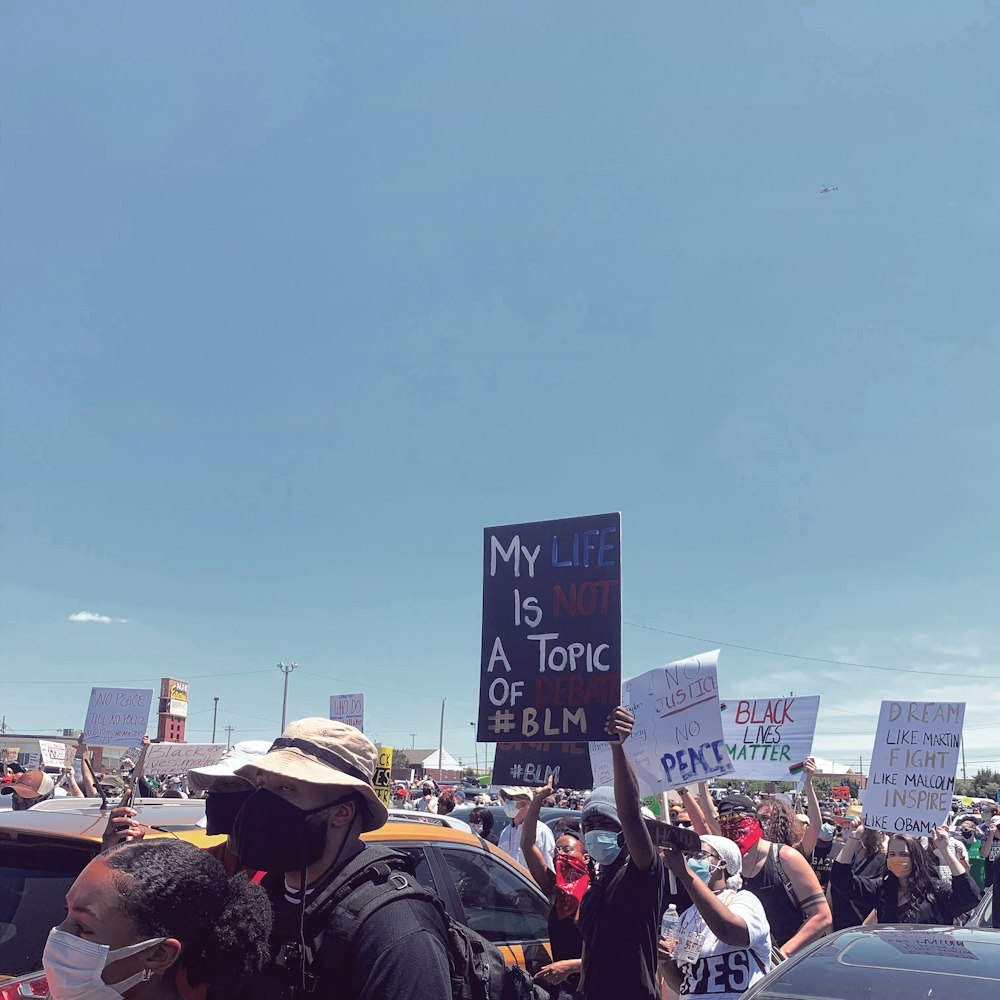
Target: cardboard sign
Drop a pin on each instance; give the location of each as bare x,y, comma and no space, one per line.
840,792
383,776
117,717
936,943
532,764
53,753
349,709
677,738
8,755
911,779
765,736
177,758
550,667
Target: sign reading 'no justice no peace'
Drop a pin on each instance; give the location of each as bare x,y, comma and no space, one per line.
552,625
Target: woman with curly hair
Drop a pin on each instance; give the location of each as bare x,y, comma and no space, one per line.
781,826
910,892
158,920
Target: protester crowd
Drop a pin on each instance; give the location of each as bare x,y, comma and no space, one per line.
293,903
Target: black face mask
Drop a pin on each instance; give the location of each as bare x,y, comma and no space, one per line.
272,835
221,809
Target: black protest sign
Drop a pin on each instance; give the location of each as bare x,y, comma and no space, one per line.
532,764
550,670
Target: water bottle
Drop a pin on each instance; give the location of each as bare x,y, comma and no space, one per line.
668,927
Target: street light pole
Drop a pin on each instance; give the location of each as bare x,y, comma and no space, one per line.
286,669
215,717
441,742
477,751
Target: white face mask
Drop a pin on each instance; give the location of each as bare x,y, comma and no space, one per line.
511,807
73,967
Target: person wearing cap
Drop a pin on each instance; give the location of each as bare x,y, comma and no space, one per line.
724,937
620,912
516,799
29,789
314,797
776,873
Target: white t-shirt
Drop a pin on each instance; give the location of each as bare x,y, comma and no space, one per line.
545,841
428,804
725,971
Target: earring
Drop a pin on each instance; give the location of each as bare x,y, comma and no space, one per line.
147,974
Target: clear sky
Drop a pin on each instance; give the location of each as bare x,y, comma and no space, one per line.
297,297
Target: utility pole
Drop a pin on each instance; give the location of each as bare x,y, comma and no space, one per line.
963,759
286,669
229,735
215,717
413,736
477,751
441,741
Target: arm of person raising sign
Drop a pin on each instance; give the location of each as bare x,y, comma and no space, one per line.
863,891
540,871
811,835
637,838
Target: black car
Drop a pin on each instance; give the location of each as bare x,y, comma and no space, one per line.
549,816
889,962
982,915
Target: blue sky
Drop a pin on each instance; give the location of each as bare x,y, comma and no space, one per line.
297,298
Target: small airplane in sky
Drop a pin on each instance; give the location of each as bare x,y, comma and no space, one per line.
828,190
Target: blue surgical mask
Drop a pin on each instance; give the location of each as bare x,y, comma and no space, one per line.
701,868
602,846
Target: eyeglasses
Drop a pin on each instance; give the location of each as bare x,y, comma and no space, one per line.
707,855
563,850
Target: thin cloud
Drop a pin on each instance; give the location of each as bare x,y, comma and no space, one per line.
92,616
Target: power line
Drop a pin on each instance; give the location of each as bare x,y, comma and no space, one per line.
811,659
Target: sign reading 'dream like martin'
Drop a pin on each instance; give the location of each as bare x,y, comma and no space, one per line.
766,736
911,779
550,670
677,737
117,717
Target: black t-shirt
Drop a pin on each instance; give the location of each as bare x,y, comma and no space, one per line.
620,922
821,861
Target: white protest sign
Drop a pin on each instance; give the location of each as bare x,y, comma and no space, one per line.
34,762
117,717
767,736
911,778
677,737
175,758
349,709
53,753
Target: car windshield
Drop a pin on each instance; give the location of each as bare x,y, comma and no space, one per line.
34,880
893,965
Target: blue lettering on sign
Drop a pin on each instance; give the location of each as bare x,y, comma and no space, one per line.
594,540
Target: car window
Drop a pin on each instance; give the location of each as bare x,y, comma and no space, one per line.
33,887
421,868
499,903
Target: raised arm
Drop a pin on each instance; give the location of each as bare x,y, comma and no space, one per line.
637,839
812,901
537,865
693,810
708,810
811,835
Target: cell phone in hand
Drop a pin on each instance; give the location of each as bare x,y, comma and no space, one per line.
666,835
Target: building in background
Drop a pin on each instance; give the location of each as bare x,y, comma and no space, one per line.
424,764
173,711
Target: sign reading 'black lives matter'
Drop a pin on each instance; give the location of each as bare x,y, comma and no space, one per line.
552,628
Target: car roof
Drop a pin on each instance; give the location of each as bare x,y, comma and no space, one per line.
888,961
83,820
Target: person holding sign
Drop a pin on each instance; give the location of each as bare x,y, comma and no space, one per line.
910,892
724,938
780,877
620,912
990,850
565,888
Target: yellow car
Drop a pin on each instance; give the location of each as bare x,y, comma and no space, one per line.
44,848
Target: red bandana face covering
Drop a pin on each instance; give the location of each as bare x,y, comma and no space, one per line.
743,831
572,879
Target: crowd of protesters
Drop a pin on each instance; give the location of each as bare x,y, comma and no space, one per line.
283,908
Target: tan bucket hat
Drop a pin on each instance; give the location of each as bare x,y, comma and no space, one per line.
324,752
